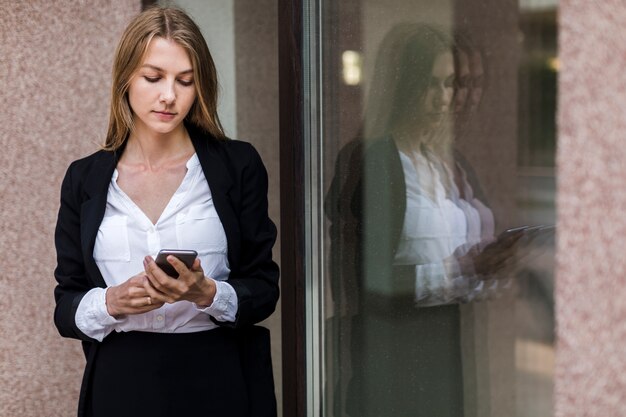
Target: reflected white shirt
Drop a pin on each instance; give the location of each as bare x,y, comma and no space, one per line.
126,235
438,227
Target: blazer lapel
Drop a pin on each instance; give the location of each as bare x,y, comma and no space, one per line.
218,176
92,210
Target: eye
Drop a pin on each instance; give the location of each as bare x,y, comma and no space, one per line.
462,82
151,79
186,83
478,81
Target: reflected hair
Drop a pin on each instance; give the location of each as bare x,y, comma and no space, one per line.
402,75
172,24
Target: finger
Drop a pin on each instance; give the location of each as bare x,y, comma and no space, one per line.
158,295
159,279
140,302
178,265
197,265
137,292
512,241
137,280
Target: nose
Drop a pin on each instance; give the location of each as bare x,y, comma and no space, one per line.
168,95
443,97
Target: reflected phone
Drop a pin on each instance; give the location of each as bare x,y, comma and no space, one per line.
526,235
512,234
184,255
541,234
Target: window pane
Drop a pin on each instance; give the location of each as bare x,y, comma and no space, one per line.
437,152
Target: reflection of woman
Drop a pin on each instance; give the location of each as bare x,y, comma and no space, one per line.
167,178
420,228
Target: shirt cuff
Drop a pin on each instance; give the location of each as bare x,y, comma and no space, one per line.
92,316
225,304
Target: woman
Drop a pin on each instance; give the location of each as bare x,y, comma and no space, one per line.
421,230
167,177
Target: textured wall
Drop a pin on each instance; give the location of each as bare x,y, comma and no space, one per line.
216,20
590,286
55,60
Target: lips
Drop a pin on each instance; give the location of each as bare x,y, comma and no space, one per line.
163,115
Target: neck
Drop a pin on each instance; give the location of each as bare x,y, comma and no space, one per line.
154,149
408,136
437,140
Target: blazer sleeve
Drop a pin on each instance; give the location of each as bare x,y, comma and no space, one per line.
72,282
255,280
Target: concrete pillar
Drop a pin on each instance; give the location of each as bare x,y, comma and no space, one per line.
590,285
55,65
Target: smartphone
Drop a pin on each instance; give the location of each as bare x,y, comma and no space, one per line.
515,232
186,256
541,234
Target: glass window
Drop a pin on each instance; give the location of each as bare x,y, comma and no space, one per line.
432,188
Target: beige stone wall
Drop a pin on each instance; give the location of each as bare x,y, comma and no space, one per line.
55,60
591,280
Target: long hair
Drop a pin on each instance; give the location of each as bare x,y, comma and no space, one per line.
175,25
401,79
401,76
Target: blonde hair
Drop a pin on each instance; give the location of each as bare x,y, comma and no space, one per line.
175,25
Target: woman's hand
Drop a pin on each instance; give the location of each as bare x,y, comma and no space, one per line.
131,297
491,259
191,285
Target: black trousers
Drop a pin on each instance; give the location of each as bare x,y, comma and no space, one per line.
165,375
406,361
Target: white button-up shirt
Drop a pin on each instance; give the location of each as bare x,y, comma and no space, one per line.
126,235
439,227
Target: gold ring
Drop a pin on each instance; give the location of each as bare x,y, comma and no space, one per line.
149,301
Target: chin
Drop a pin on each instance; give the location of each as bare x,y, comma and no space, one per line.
164,128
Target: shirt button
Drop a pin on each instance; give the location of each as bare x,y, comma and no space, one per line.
159,317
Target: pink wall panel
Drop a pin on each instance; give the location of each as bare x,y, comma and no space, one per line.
591,279
55,61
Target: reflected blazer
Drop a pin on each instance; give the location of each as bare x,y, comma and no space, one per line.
238,182
367,206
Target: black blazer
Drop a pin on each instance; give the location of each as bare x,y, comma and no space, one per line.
238,182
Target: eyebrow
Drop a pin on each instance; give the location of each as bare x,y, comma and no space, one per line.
154,67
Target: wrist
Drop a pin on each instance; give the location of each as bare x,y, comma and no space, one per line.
108,302
209,289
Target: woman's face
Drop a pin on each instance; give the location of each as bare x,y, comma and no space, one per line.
478,75
162,90
438,97
462,81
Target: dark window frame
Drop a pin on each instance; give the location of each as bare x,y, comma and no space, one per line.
292,206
